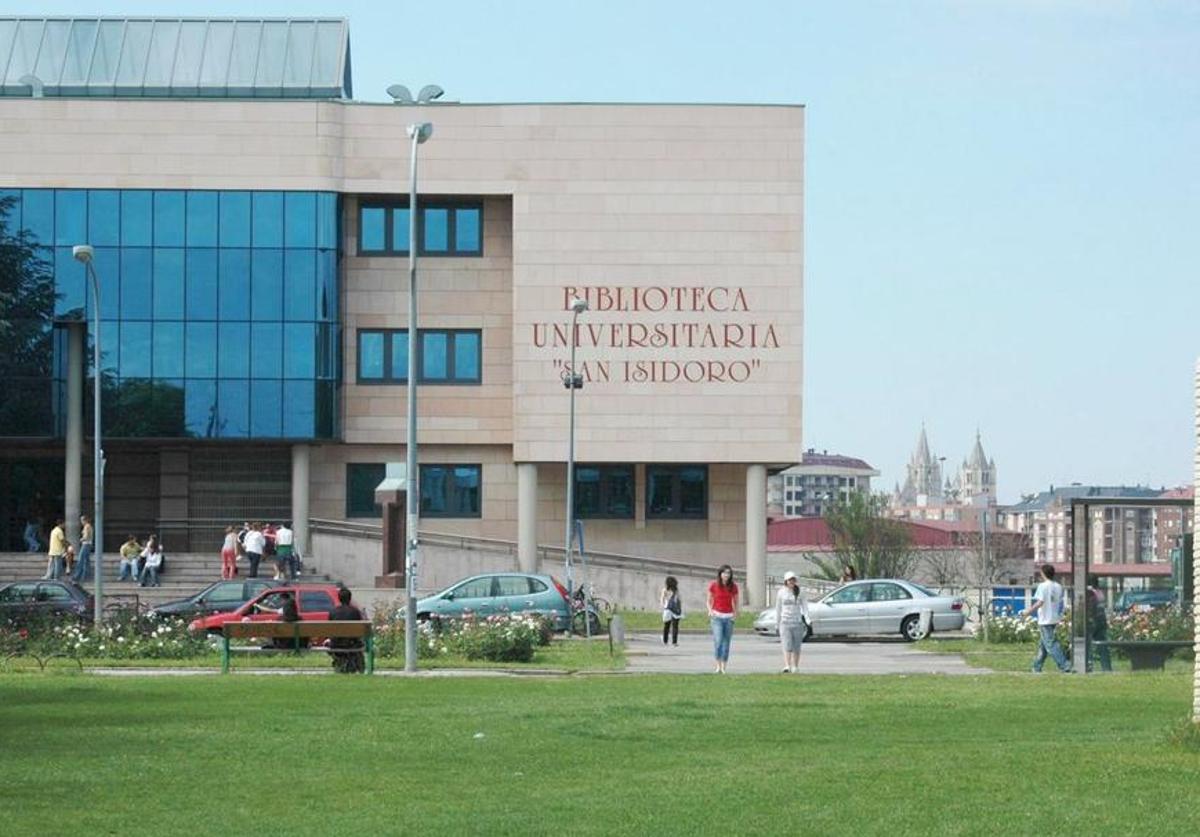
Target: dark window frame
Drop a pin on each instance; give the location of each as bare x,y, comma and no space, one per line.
391,377
389,205
451,513
356,512
607,470
675,513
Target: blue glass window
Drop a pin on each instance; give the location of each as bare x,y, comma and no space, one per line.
267,210
202,219
70,217
327,220
168,283
169,213
604,491
108,274
201,283
435,355
266,349
300,285
37,214
109,350
361,479
450,490
168,350
234,282
233,350
677,491
437,230
327,286
235,219
233,409
466,230
371,230
300,219
266,285
401,229
370,355
136,288
136,219
200,408
201,348
135,350
266,409
299,350
69,281
104,218
466,355
299,409
399,356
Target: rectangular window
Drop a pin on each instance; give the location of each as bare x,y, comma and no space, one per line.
450,490
679,491
446,356
604,491
444,228
361,479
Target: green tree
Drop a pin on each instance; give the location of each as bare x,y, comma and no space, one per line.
865,538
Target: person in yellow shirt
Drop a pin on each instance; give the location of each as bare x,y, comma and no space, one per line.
130,550
57,558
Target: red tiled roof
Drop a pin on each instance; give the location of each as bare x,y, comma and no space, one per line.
1187,492
812,533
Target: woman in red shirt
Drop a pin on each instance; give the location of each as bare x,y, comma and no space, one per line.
722,608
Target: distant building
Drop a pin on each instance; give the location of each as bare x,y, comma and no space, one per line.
924,495
818,482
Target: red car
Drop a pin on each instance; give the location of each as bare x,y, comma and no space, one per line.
314,601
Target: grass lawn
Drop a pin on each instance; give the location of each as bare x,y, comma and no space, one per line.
658,755
1019,657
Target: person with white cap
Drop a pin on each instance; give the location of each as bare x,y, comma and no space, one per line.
791,617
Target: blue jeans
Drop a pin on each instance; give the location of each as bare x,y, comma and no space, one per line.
722,631
1048,644
82,564
149,576
128,570
58,566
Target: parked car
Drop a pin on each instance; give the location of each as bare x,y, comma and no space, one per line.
1137,600
22,602
218,597
498,593
875,606
314,602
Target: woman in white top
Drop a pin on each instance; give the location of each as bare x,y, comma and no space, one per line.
791,615
672,610
154,559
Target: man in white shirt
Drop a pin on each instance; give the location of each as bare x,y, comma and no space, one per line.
285,552
1048,603
254,544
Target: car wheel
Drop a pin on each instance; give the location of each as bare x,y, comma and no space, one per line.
910,628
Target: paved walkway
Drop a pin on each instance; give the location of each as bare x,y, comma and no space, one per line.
753,654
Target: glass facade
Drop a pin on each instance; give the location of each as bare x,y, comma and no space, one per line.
445,227
219,310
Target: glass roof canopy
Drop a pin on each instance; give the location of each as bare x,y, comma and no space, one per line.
175,57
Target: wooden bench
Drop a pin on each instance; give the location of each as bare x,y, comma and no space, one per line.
297,631
1146,654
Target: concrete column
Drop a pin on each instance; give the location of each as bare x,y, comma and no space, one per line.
527,551
756,535
73,490
300,480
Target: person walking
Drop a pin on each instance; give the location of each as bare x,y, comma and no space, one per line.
1048,604
791,616
1098,623
56,558
672,610
346,652
87,539
229,554
128,568
254,543
285,540
722,610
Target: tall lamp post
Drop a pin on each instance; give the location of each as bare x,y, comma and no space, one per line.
85,254
418,133
572,380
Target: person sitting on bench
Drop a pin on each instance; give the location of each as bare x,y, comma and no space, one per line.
349,661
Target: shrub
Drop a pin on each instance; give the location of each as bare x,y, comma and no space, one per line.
126,636
1164,623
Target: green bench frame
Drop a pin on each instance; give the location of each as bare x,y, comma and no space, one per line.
297,631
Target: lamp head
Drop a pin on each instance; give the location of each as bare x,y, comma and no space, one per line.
400,94
579,305
83,253
422,130
428,93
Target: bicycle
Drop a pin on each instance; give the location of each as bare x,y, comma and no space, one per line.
581,604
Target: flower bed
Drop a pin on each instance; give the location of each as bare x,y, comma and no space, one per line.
504,638
126,636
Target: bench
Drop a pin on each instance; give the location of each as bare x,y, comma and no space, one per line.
1146,654
297,631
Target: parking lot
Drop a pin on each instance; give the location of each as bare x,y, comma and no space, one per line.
753,654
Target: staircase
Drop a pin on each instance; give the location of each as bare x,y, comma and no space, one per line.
187,573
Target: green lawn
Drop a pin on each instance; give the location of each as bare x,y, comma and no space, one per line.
1019,656
658,755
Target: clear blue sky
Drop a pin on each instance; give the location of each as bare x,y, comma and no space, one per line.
1003,201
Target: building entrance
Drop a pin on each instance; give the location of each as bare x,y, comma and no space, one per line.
31,492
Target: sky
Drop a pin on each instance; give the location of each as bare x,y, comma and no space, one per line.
1002,200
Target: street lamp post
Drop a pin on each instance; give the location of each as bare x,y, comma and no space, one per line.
572,380
418,133
85,254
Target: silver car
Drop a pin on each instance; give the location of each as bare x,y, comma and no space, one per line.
875,606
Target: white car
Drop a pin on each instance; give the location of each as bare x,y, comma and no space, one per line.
875,606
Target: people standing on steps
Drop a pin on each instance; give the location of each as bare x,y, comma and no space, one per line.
56,558
87,538
791,617
672,610
722,610
229,549
254,543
